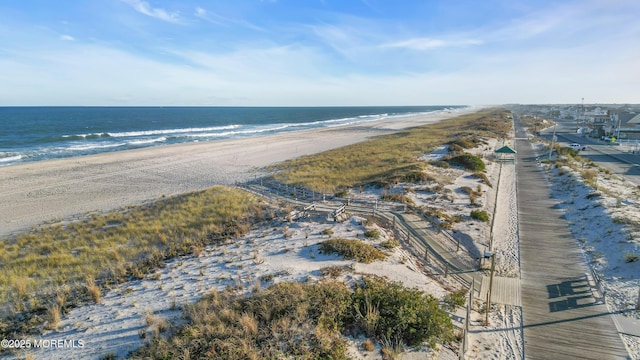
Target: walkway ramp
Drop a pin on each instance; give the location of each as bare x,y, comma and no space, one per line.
562,319
504,290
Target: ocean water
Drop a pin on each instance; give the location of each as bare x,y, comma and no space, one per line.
40,133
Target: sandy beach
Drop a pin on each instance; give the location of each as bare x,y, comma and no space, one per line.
290,251
38,192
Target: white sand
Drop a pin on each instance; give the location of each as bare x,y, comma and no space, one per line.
114,325
34,193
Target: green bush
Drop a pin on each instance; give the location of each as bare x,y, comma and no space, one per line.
390,244
372,234
293,320
480,215
327,231
352,249
631,257
456,298
566,151
469,162
287,320
399,313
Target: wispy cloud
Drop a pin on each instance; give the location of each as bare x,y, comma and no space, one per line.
143,7
225,21
422,44
67,38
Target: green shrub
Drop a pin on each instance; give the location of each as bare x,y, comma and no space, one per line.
341,194
293,320
287,320
480,215
372,234
390,244
327,231
456,298
631,257
400,313
352,249
566,151
469,162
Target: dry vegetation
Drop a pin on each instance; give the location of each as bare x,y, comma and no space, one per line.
305,321
50,269
352,249
394,158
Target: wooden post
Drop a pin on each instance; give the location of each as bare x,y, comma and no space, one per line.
466,321
493,267
638,303
426,254
486,311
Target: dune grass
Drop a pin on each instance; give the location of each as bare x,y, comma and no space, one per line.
303,321
352,249
84,256
392,158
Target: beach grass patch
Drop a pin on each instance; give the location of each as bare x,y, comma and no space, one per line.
352,249
303,320
480,215
389,159
88,254
468,161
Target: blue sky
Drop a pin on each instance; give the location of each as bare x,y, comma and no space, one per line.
318,52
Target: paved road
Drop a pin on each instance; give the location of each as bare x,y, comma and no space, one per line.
562,319
606,155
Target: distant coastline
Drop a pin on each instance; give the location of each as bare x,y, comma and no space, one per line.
30,134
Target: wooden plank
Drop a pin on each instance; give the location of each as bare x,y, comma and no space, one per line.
505,290
561,317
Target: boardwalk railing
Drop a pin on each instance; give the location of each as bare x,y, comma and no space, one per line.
382,213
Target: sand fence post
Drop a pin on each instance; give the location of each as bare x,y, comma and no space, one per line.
638,302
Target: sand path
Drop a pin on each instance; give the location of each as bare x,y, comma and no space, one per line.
33,193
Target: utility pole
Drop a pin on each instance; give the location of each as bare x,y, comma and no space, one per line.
553,140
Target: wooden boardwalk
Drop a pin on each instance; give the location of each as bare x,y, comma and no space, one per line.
504,291
561,317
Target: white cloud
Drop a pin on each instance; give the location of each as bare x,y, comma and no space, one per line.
67,38
200,12
225,21
143,7
422,44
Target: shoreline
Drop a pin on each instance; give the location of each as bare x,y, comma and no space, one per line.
37,192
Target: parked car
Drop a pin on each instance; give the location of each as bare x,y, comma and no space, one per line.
577,147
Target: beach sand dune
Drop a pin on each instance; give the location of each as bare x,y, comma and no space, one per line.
34,193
